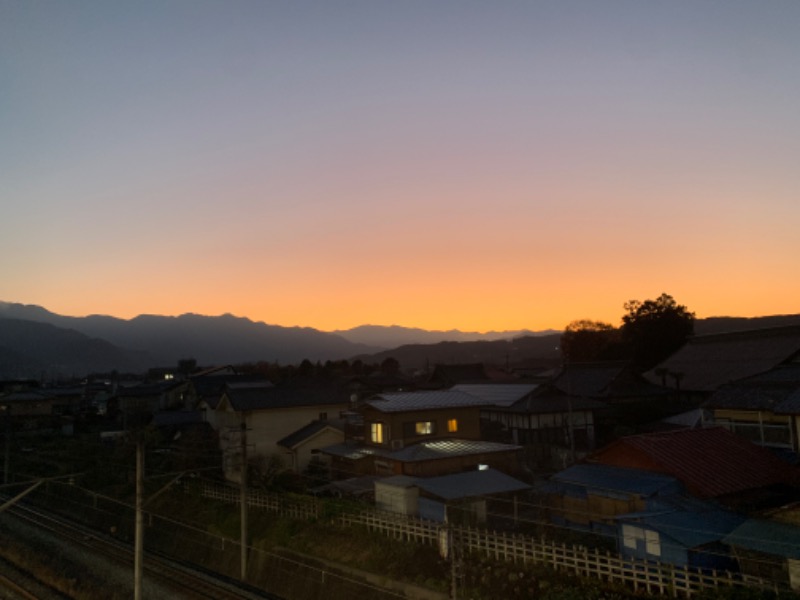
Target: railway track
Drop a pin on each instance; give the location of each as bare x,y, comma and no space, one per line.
186,582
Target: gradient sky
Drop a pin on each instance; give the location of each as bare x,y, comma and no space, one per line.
438,164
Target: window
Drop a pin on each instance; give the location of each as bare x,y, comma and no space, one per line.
629,536
652,543
452,425
323,416
376,433
423,427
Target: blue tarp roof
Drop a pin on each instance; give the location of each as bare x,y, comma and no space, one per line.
689,529
770,537
616,479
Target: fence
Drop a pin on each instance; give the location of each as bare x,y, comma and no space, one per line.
581,561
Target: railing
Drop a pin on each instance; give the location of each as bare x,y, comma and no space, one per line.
641,575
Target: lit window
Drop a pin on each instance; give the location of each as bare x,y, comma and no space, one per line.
424,427
652,543
452,425
376,433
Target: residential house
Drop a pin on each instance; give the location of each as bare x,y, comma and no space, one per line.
591,496
712,463
764,408
420,434
302,447
554,427
267,416
705,363
768,549
467,497
689,538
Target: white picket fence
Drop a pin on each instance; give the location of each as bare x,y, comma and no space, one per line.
640,575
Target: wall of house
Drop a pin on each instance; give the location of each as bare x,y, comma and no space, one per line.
266,427
300,457
398,425
763,428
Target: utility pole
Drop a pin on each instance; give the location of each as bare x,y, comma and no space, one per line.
7,458
243,496
139,543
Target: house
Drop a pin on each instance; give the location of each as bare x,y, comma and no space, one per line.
267,416
712,463
31,410
764,408
706,363
688,538
302,447
466,497
631,401
768,549
554,427
591,496
422,433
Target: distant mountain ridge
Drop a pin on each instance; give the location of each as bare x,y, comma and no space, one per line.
35,341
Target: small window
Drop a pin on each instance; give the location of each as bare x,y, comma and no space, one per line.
452,425
629,536
424,428
323,416
652,543
376,433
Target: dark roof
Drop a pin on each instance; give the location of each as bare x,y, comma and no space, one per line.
769,537
710,462
604,380
497,394
710,361
392,402
308,431
270,398
548,399
756,396
470,484
690,529
422,451
616,479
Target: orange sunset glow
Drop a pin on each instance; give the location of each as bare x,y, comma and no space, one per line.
444,165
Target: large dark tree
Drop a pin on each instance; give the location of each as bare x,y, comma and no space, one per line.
654,329
586,340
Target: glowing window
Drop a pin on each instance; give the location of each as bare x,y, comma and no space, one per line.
424,427
376,433
452,425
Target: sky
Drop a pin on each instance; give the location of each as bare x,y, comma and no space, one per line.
438,164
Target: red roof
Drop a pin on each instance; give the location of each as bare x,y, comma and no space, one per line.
710,462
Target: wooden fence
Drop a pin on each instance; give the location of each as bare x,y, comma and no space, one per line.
640,575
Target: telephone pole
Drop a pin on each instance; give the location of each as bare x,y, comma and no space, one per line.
243,496
139,542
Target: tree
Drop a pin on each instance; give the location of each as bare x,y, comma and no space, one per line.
587,340
655,329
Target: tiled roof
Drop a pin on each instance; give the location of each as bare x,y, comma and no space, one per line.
710,462
437,449
589,379
431,450
497,394
406,401
710,361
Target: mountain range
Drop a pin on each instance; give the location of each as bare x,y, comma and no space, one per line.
35,342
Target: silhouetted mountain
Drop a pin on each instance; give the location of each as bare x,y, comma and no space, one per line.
77,345
210,340
31,349
394,335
